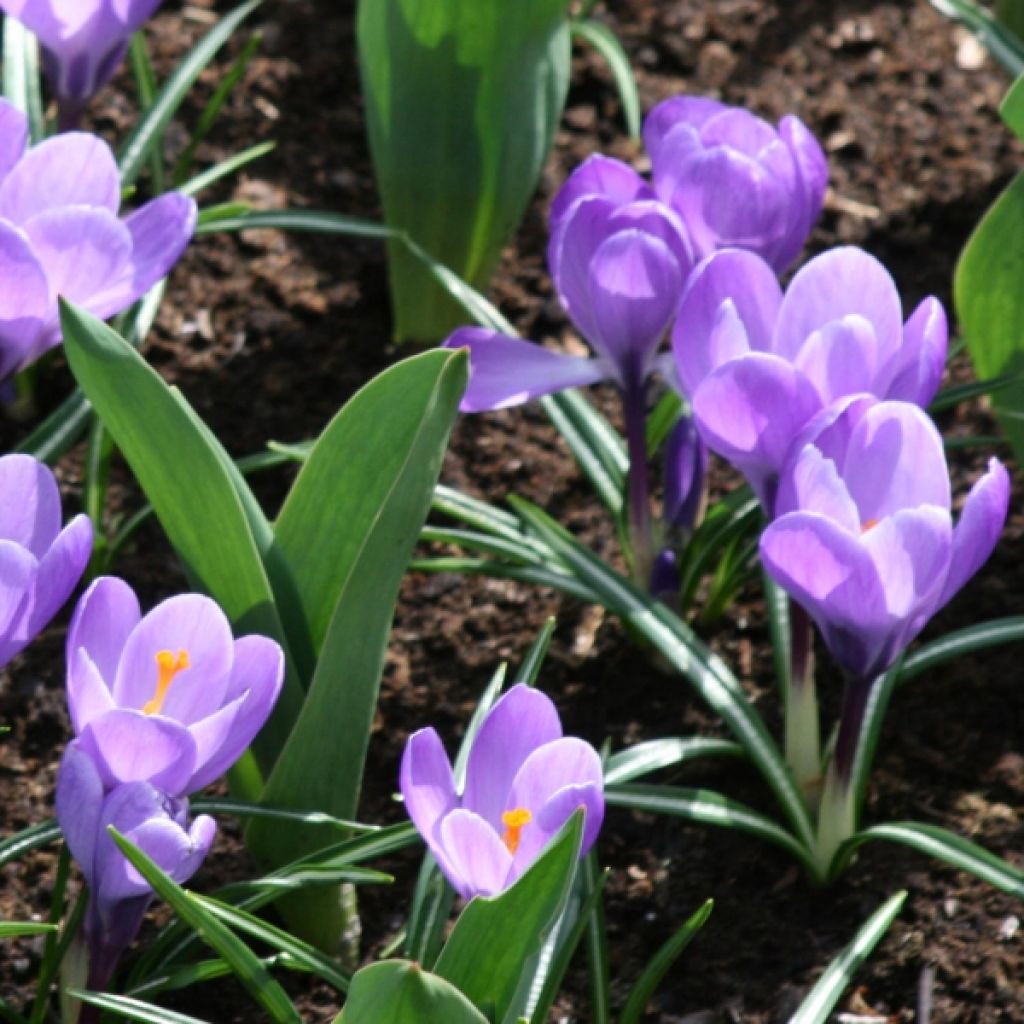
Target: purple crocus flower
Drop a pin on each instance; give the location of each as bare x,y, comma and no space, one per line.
169,698
60,235
83,42
864,539
734,179
524,780
686,466
40,563
148,818
758,365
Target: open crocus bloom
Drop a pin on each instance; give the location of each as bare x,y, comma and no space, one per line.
40,563
619,259
524,780
734,180
170,698
148,818
758,365
83,41
864,539
60,235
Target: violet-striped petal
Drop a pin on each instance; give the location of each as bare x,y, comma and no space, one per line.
104,618
426,782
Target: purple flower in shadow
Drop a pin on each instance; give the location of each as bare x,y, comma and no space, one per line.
864,538
60,235
169,698
40,563
524,780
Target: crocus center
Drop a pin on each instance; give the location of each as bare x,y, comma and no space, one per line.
869,524
514,821
168,665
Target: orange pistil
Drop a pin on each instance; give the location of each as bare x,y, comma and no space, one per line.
514,821
167,667
869,525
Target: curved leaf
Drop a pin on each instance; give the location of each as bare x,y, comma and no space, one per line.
400,992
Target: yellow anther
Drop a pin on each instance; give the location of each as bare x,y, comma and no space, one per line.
514,821
168,665
869,525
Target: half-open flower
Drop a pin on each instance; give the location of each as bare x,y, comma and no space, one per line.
864,538
169,698
524,780
40,563
758,365
60,235
734,179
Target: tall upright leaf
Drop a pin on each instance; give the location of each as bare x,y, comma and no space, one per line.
463,98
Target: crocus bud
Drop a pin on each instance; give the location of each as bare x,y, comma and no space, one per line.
40,563
83,42
686,465
734,180
524,780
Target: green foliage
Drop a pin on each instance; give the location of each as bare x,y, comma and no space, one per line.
462,99
401,992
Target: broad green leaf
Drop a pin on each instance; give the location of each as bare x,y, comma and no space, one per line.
191,483
244,963
1012,108
1011,14
822,999
989,292
462,99
606,42
650,979
495,938
345,536
652,755
401,992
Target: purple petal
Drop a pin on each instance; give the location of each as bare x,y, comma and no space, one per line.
670,113
704,336
79,799
523,720
507,371
686,465
104,618
597,175
25,304
809,195
917,367
74,169
88,694
13,136
128,746
561,806
480,864
811,483
17,573
841,358
428,789
30,509
980,525
60,569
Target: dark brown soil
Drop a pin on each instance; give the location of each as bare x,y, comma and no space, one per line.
267,335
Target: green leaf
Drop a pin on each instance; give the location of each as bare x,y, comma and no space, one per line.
822,999
650,979
661,421
989,292
192,484
197,973
965,641
245,964
228,166
1003,44
950,398
1012,108
462,102
606,42
400,992
344,536
541,577
432,902
35,837
534,660
651,756
13,929
494,938
943,845
134,1009
21,75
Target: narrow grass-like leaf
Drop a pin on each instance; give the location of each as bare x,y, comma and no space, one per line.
484,543
706,807
870,732
245,809
951,397
652,755
598,35
60,431
146,87
536,575
596,941
21,75
432,902
822,999
483,708
197,973
226,167
14,929
961,643
529,670
1011,110
247,967
646,985
777,602
134,1009
663,417
35,837
1003,44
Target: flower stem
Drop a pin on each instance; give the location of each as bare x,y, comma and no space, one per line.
803,728
634,400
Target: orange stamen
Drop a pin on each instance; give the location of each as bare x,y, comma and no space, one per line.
167,667
514,821
869,525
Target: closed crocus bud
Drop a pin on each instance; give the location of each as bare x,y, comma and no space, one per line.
169,698
83,42
148,818
864,539
758,365
524,780
60,235
40,563
734,180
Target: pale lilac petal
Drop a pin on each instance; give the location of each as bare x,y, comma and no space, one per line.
479,862
30,507
561,806
981,523
840,358
104,618
523,720
217,743
25,303
809,197
831,286
917,368
66,170
506,371
570,251
128,746
60,569
597,175
812,483
704,337
88,693
79,799
13,136
667,115
427,785
740,130
17,572
659,221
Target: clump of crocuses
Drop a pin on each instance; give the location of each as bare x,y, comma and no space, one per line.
161,705
524,780
60,235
